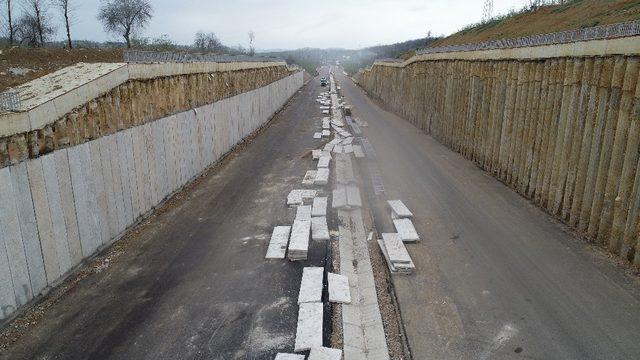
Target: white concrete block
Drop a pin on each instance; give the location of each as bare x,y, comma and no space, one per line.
353,196
298,196
278,243
284,356
309,177
28,227
317,135
325,133
406,230
319,207
303,213
395,248
299,241
84,197
339,199
323,353
322,176
347,141
357,151
347,149
11,240
338,149
399,209
339,291
309,330
319,228
323,162
311,285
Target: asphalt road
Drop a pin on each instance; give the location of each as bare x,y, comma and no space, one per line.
194,284
496,277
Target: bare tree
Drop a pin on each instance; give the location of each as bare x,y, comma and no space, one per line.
125,17
207,42
11,31
34,27
67,8
252,38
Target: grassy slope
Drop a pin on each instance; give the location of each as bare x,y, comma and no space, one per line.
574,15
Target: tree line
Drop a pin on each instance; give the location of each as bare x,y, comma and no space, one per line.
122,18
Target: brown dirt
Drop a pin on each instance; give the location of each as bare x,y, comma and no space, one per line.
574,15
40,62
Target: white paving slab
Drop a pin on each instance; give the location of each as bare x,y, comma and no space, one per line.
309,330
297,196
353,196
357,151
339,291
399,209
303,212
322,176
319,207
285,356
311,285
299,241
323,353
406,230
395,248
317,135
326,133
309,177
319,228
339,199
278,244
324,161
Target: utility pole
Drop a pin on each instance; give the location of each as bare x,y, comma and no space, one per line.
487,11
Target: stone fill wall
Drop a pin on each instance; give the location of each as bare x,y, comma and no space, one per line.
562,130
75,186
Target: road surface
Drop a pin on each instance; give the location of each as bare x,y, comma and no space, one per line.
496,277
195,284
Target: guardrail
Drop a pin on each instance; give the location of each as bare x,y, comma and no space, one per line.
602,32
146,57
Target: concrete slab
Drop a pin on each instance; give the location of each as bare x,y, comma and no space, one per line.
285,356
339,291
303,212
319,207
311,285
395,248
399,209
357,151
339,199
299,241
319,228
347,141
317,135
322,176
278,244
347,149
315,154
309,330
326,133
324,161
309,177
323,353
353,196
406,230
338,149
296,197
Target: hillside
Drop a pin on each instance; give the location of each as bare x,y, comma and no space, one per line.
552,18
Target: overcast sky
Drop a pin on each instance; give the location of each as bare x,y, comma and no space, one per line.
290,24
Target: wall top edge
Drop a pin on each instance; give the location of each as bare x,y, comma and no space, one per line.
42,101
629,46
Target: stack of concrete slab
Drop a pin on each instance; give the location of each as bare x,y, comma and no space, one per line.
278,243
321,176
339,291
323,353
299,241
406,230
311,285
396,254
309,330
296,197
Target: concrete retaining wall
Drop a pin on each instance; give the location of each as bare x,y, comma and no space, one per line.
61,207
562,131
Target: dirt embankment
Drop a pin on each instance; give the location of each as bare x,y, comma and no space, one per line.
18,65
575,14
